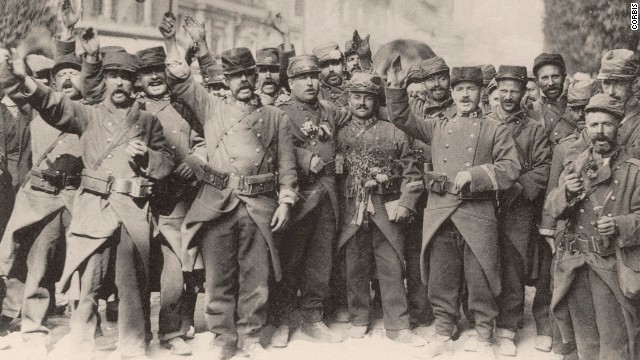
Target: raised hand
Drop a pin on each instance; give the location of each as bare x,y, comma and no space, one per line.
396,76
89,42
194,29
168,26
16,62
361,46
69,16
279,23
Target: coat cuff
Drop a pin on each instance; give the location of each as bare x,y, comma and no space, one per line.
411,195
287,196
483,178
547,232
196,164
65,47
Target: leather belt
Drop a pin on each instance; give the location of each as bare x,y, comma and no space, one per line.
99,183
439,183
247,185
53,181
596,244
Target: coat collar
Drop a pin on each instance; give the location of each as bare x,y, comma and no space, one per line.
603,174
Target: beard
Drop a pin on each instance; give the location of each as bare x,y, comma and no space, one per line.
602,144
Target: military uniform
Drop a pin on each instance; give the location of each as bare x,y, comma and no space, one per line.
250,157
112,200
35,232
461,234
307,257
520,207
586,283
378,170
270,57
19,157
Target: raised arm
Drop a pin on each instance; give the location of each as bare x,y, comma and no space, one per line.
66,42
412,185
55,108
180,79
93,85
398,107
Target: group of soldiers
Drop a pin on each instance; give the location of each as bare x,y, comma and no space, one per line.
308,183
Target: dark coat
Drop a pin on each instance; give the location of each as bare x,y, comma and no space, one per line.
242,138
478,145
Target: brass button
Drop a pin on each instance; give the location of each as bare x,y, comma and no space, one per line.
232,160
470,149
258,135
173,147
313,143
449,131
58,156
256,164
580,227
109,172
445,159
555,133
175,131
475,123
455,120
260,120
259,110
613,198
109,140
109,156
472,135
306,118
110,123
446,145
582,210
270,160
258,150
60,141
615,182
230,132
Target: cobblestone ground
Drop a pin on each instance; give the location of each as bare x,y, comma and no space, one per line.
375,346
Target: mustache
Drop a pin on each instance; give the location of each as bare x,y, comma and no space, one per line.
465,99
121,91
67,83
362,106
245,85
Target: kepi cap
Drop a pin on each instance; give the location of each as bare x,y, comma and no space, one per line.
618,64
236,60
605,103
466,73
363,82
67,61
548,59
488,73
512,72
328,52
580,92
303,64
154,56
268,57
433,66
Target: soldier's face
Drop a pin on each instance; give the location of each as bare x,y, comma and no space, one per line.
68,81
119,86
331,72
510,93
602,129
417,90
242,84
550,79
153,80
466,95
577,115
532,92
618,89
437,86
269,79
353,63
305,87
362,104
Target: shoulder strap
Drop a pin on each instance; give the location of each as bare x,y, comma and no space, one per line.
49,149
116,141
521,153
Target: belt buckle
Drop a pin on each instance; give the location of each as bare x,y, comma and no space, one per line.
140,189
571,245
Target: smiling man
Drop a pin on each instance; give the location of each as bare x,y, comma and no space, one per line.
550,73
331,73
472,158
520,204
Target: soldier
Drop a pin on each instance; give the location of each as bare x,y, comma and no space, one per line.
378,192
122,148
357,54
550,73
331,76
494,97
35,232
415,87
214,81
172,196
269,86
307,257
460,237
618,71
598,197
435,76
578,97
488,73
520,204
249,186
532,94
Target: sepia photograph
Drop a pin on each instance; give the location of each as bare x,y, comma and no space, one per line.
319,179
